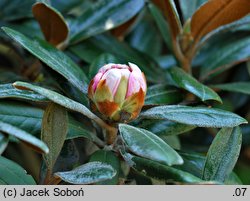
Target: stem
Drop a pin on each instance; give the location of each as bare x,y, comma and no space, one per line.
111,135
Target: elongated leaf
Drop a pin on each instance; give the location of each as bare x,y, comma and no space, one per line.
13,174
102,60
88,173
188,8
4,140
110,158
183,80
223,154
111,13
148,145
62,100
54,131
195,116
95,46
165,128
54,58
51,22
162,94
161,24
8,91
29,119
24,136
231,51
159,171
239,87
216,13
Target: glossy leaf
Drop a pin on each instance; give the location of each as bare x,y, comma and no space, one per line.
183,80
231,52
88,173
4,140
161,24
110,158
29,119
238,87
195,116
165,128
146,144
216,13
102,60
54,131
8,91
51,22
162,94
159,171
54,58
24,136
13,174
223,154
102,16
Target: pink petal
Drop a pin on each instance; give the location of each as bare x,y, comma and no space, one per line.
133,85
97,78
112,77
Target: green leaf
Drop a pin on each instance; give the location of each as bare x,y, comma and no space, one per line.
8,91
102,60
111,13
159,171
188,8
161,24
54,131
238,87
146,144
12,9
222,154
110,158
95,46
181,79
88,173
162,95
53,57
165,128
13,174
24,136
29,119
231,52
4,140
195,116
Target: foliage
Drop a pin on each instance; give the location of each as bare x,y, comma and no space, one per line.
193,126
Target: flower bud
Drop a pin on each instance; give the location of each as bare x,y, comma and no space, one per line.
117,91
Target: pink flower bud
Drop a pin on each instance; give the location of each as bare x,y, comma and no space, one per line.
117,91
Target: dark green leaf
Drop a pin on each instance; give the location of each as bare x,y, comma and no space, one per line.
159,171
8,91
54,131
102,60
183,80
195,116
173,141
4,140
95,46
54,58
239,87
88,173
13,174
162,95
102,16
24,136
231,52
165,128
146,144
110,158
222,154
161,24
